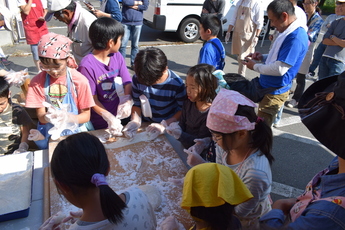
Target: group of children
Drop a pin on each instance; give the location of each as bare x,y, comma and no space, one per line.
213,127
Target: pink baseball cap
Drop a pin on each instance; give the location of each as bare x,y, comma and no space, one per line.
221,116
56,46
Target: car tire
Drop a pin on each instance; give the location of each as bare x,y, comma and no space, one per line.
188,30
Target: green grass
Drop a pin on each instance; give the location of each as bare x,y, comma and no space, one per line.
328,7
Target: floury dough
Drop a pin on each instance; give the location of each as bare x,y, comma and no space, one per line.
15,182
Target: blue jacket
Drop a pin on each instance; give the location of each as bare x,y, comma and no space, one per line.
318,215
131,16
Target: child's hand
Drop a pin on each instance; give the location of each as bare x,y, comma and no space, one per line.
73,216
52,222
174,130
125,107
170,223
200,145
35,135
114,124
177,182
154,130
193,158
23,147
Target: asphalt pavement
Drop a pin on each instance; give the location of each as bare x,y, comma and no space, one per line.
298,156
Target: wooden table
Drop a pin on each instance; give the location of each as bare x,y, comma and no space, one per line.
135,162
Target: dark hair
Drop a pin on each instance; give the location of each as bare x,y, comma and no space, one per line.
71,7
49,61
4,87
218,218
211,22
202,74
317,8
149,65
262,137
75,160
104,29
278,7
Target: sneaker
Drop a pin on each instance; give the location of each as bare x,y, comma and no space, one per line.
310,76
293,103
5,61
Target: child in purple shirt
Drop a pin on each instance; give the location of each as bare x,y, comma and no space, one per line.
109,79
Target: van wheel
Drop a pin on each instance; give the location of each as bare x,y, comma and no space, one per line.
189,30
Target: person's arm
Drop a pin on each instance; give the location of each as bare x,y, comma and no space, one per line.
25,129
144,5
84,116
337,41
26,8
98,108
258,17
113,11
326,38
276,68
221,7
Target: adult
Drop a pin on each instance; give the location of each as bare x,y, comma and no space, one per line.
214,7
247,23
333,58
283,61
322,205
78,21
33,13
132,21
314,26
108,8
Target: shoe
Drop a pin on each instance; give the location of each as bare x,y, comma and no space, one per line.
5,61
293,103
276,125
310,76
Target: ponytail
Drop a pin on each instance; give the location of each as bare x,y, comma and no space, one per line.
112,205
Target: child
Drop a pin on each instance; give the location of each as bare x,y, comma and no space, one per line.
244,143
79,166
210,194
201,87
106,70
158,93
322,205
213,51
14,123
59,85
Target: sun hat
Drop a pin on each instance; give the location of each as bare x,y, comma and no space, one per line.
221,116
55,5
322,111
211,185
56,46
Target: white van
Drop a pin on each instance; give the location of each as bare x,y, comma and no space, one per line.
182,16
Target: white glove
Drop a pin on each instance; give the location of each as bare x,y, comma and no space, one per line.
23,147
73,217
53,222
132,127
154,130
255,42
174,130
177,182
200,145
125,107
114,124
35,135
227,37
193,158
170,223
17,78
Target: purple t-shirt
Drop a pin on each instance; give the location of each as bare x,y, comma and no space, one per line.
101,78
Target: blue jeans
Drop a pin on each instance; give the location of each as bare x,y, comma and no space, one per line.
317,57
330,67
132,31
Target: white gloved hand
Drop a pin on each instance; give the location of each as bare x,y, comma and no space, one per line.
73,217
174,130
227,37
53,222
154,130
17,78
170,223
125,107
193,158
177,182
114,124
132,127
35,135
23,147
255,42
200,145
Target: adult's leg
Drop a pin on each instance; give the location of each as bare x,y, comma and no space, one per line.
323,68
317,57
300,80
241,68
34,51
270,106
124,40
135,31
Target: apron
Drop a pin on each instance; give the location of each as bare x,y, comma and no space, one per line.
34,28
243,36
68,99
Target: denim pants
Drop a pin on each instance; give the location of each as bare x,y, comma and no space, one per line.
330,67
132,31
317,57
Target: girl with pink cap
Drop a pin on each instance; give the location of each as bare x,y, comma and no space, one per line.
243,143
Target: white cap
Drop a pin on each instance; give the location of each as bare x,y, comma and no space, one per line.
55,5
